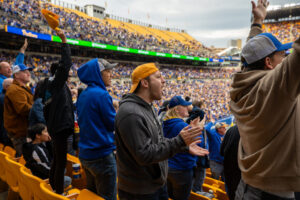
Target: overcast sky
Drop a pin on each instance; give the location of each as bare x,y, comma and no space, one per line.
212,22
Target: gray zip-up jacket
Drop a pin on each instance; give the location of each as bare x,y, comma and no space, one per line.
142,150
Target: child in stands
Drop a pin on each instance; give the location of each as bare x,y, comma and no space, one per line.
38,152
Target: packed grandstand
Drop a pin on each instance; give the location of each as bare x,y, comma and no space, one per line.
190,69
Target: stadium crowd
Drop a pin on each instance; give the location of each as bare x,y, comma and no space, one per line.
208,85
27,14
213,94
42,63
284,31
150,133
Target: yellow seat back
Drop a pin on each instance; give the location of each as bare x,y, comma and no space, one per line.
195,196
22,161
2,165
25,191
12,172
10,151
48,194
88,195
31,183
214,183
221,195
77,183
1,146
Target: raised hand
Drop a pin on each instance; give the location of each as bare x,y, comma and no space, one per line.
259,11
61,34
195,122
24,47
190,134
194,149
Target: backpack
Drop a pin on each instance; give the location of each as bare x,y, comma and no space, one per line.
46,97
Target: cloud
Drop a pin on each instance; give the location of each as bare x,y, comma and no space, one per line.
217,37
213,22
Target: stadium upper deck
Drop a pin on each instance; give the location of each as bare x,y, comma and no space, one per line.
26,14
284,22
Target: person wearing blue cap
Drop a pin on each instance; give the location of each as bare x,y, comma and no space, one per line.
269,148
18,101
181,165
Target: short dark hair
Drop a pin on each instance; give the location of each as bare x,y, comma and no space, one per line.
187,98
258,65
35,130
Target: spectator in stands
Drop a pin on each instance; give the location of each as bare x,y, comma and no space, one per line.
17,104
96,116
215,138
3,133
5,68
36,114
37,153
59,113
5,72
202,161
163,111
181,165
196,111
141,148
202,164
229,150
269,149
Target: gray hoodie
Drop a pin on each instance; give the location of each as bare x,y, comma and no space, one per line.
142,150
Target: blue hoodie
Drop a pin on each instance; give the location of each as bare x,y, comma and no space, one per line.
96,114
214,142
181,161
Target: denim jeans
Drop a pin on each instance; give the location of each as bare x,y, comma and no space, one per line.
217,170
67,181
180,183
198,179
101,175
247,192
161,194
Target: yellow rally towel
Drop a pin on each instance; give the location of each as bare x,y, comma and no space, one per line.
52,18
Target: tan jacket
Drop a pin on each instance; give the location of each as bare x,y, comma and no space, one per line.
17,104
266,105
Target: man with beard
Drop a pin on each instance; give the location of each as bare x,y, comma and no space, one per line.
142,150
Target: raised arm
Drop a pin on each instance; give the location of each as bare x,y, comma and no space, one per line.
62,71
259,12
20,57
